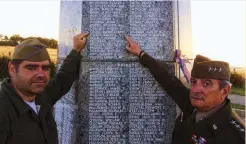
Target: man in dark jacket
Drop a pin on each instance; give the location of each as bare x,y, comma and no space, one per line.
27,97
206,117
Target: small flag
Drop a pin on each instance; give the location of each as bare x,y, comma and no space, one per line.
182,65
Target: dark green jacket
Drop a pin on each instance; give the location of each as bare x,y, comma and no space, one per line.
19,124
222,127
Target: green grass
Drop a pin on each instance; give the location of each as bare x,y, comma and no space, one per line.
239,91
238,106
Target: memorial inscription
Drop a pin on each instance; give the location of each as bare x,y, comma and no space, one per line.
117,99
124,103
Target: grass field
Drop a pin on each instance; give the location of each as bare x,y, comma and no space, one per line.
8,50
238,106
238,91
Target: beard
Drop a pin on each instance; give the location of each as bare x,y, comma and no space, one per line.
33,87
37,87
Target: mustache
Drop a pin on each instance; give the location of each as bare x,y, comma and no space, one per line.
39,80
197,95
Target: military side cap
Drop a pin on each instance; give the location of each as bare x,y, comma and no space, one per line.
31,50
203,67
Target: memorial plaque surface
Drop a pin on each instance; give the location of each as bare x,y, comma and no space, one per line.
65,110
125,104
116,100
65,116
150,23
70,25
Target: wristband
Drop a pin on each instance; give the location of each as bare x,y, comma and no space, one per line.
140,54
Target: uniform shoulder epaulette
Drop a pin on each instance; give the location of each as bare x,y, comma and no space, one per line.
238,127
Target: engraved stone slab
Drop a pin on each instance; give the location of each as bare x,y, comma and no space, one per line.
150,23
124,104
65,116
70,25
65,110
116,100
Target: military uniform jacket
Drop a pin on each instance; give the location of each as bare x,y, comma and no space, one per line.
19,124
220,128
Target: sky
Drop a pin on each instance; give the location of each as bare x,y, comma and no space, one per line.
30,18
218,26
218,30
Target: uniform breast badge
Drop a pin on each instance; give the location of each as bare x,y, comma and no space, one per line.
198,140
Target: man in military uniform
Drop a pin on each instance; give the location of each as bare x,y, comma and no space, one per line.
206,116
27,97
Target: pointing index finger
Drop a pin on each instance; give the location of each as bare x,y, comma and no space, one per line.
128,38
82,35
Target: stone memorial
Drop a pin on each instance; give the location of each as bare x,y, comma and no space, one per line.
116,99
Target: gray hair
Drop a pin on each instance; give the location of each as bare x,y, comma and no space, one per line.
224,83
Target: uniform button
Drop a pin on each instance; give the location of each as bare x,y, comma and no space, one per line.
214,126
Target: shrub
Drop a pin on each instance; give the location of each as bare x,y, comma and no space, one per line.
237,80
4,60
7,43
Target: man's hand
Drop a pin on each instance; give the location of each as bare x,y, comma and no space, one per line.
132,46
79,41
